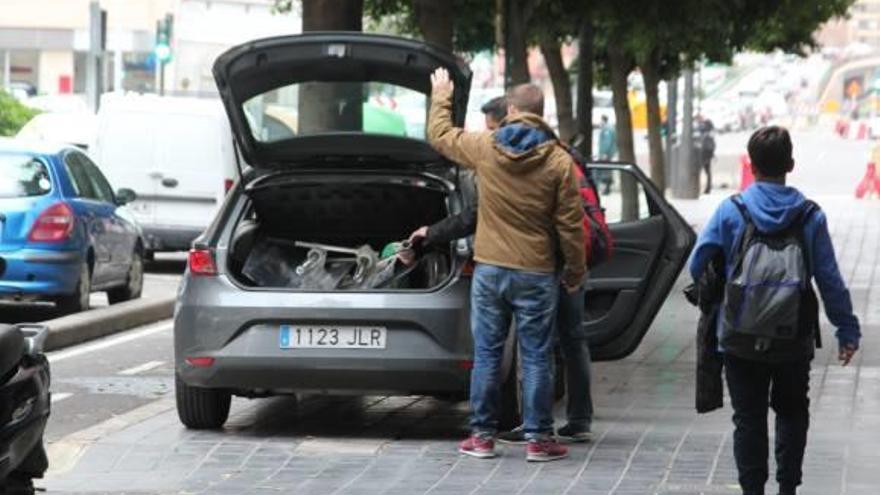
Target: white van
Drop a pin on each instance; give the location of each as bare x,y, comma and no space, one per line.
175,153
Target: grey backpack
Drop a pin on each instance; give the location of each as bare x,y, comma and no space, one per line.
770,311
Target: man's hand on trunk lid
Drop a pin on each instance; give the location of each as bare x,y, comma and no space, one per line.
440,82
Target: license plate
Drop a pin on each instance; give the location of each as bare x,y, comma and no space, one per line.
331,337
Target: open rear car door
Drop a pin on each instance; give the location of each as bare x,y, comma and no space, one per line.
652,244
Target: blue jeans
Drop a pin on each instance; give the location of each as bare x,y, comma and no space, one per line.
497,296
576,356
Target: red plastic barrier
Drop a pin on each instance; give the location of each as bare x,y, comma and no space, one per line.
870,183
746,178
863,131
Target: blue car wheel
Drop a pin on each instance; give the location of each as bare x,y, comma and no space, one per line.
79,300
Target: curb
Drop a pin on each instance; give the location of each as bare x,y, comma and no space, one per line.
80,327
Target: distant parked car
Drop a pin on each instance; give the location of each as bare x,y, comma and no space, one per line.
64,233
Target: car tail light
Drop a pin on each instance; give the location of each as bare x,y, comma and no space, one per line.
200,362
55,224
201,262
467,270
227,185
466,364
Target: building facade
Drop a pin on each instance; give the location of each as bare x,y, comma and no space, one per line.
43,43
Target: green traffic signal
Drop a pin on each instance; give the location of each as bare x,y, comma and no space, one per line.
162,50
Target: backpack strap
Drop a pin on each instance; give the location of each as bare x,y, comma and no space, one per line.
808,209
747,234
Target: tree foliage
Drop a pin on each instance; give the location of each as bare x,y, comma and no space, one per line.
473,21
13,114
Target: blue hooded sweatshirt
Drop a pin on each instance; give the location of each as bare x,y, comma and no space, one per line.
773,207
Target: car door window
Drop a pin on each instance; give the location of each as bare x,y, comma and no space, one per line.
82,186
622,196
102,189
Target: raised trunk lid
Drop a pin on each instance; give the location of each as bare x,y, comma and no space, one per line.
301,99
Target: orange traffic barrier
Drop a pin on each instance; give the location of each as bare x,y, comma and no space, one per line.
842,128
869,184
746,178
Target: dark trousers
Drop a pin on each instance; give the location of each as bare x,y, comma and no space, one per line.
753,387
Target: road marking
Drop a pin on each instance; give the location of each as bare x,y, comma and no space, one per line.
60,397
104,343
135,370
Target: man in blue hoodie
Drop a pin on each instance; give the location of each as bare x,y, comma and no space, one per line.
754,385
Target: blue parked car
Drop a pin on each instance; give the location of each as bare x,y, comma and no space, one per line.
63,232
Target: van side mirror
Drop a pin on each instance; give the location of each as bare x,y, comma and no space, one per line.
125,196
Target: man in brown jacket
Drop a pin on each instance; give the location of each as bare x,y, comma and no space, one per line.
529,211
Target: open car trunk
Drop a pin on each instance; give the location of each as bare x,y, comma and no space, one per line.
326,232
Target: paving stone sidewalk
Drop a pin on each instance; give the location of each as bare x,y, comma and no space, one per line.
648,438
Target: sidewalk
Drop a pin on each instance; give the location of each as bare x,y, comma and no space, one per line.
648,438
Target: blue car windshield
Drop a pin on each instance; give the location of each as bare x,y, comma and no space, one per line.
22,176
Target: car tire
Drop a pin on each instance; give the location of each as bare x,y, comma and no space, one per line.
134,282
511,390
16,485
511,394
201,408
79,300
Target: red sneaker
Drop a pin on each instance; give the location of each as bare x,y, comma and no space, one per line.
545,450
480,447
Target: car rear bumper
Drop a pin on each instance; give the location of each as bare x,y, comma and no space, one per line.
169,238
428,346
38,272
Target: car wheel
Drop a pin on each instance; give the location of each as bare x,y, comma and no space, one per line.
201,408
511,394
134,283
15,485
511,390
79,300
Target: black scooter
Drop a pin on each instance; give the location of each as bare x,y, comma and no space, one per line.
24,407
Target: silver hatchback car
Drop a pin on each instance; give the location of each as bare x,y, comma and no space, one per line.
295,287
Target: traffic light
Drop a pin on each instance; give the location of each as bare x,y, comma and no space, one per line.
164,28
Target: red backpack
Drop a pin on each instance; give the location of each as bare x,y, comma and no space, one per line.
598,242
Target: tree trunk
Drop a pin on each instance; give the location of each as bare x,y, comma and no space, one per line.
331,106
552,51
435,21
649,67
516,46
332,15
585,84
620,67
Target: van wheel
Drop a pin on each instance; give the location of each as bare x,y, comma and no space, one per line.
201,408
134,283
79,300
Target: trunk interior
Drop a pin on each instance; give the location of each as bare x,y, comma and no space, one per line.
330,233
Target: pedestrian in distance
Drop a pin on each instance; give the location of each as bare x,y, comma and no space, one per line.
607,152
529,210
706,148
775,243
568,322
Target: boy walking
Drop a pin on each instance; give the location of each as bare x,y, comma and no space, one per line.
774,242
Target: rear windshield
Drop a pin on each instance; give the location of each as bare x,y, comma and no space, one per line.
310,108
22,176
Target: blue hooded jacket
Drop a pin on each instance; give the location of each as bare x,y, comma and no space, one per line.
773,207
